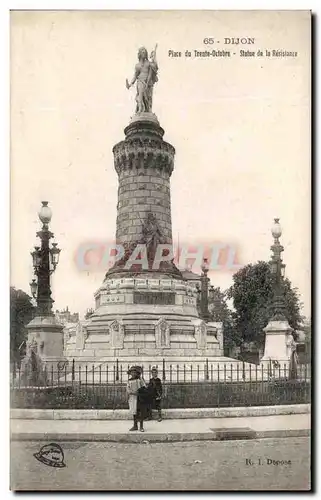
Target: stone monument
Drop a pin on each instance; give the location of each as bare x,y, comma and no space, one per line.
145,309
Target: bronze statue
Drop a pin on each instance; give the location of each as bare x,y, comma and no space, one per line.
152,236
145,76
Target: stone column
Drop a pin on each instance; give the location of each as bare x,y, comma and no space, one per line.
144,163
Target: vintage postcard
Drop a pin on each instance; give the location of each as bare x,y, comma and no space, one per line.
160,329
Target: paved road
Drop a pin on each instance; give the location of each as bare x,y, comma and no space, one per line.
171,466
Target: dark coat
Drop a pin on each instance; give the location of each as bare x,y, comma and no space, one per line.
155,388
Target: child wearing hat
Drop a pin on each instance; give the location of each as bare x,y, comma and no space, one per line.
156,390
134,384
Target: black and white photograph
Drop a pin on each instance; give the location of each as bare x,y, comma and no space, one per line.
160,250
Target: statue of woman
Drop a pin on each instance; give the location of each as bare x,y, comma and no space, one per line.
146,76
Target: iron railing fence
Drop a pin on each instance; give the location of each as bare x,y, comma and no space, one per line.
66,373
184,386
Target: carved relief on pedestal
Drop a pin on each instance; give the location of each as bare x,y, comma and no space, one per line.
116,330
81,336
201,334
162,333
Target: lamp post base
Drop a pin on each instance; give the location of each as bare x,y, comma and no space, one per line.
45,337
278,333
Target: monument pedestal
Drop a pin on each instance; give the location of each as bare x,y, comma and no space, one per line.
145,318
278,342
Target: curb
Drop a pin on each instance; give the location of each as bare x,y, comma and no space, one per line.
175,413
217,435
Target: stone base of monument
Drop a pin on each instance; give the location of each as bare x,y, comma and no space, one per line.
149,321
145,318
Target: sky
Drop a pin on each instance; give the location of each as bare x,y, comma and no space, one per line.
240,127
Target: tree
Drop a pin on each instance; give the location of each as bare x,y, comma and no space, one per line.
21,313
252,295
220,312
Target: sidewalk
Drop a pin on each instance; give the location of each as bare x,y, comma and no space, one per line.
173,413
172,430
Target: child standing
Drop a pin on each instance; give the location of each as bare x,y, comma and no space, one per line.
133,385
156,390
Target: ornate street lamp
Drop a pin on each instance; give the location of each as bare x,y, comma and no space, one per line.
45,261
204,313
277,269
